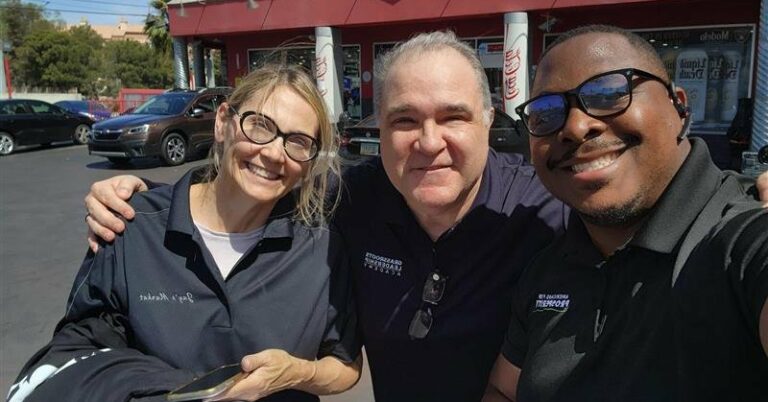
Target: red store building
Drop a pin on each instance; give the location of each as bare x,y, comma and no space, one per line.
711,47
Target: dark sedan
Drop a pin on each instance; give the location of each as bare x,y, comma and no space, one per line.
33,122
361,140
95,110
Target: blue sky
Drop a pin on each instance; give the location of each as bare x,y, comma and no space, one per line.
98,12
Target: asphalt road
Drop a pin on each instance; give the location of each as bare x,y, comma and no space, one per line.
42,242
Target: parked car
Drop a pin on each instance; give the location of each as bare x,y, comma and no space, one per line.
95,110
173,126
34,122
361,140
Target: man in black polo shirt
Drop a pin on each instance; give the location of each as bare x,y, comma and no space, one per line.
657,292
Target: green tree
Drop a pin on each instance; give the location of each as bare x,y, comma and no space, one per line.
156,27
61,60
86,51
130,64
18,19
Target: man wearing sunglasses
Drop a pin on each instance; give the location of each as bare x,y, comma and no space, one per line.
658,289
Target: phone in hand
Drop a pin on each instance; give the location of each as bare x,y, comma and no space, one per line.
209,385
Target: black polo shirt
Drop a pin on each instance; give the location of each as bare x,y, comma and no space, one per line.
156,299
513,217
586,327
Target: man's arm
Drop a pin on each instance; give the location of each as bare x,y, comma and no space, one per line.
502,384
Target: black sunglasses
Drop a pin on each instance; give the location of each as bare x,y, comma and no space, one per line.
261,130
433,290
603,95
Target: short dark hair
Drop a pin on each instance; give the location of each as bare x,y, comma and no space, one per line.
643,46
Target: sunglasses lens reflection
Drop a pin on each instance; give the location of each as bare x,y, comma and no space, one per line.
546,114
606,95
420,324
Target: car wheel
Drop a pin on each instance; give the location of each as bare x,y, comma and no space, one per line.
82,132
6,144
118,161
174,149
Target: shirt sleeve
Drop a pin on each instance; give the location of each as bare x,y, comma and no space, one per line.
515,345
746,238
342,338
89,357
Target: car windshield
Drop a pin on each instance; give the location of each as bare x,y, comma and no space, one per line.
368,122
165,104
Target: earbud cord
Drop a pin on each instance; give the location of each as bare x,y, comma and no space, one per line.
686,127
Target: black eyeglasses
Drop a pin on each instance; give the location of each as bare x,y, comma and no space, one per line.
262,130
433,290
603,95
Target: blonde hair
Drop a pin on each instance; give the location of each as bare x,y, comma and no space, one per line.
314,204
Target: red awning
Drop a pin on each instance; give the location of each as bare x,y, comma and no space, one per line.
235,16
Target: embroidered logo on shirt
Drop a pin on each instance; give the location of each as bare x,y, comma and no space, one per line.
552,302
389,266
163,297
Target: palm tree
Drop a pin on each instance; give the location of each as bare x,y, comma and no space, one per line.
156,26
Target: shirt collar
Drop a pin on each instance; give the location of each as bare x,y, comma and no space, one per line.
690,190
279,223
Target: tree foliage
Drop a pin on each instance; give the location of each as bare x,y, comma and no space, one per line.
18,19
45,55
61,60
135,65
156,27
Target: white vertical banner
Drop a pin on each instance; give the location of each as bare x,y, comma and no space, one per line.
328,69
515,60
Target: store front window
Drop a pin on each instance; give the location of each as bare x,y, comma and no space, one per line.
713,65
305,57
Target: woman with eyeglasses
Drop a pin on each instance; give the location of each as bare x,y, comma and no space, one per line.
232,264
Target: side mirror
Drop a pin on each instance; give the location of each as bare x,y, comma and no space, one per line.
762,155
197,112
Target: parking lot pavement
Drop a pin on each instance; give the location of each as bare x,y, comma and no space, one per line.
42,242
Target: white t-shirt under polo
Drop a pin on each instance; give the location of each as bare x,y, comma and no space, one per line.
228,248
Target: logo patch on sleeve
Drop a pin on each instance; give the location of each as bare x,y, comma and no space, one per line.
552,302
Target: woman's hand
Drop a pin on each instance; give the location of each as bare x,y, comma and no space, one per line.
269,371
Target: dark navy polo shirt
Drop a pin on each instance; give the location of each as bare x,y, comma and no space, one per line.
513,217
289,291
587,328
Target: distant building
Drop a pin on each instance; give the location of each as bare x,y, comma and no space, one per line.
122,31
